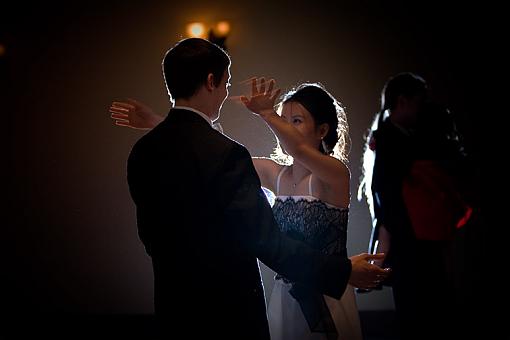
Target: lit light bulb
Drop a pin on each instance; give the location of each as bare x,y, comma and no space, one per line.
222,29
196,30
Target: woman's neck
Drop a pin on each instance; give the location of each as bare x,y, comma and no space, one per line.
298,172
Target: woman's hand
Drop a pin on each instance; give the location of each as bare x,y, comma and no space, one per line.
262,100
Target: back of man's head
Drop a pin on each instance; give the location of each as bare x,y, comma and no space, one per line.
187,65
403,84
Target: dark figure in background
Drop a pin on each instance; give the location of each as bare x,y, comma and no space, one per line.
205,220
413,167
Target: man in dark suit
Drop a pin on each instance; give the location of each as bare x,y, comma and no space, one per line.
416,206
204,219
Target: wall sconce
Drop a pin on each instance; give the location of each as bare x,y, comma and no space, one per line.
196,30
216,33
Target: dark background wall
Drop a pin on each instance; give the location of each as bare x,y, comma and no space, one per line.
69,242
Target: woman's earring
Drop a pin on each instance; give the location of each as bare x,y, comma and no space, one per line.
325,147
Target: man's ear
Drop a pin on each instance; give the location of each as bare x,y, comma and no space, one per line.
209,84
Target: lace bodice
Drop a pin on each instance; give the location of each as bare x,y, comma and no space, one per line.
306,218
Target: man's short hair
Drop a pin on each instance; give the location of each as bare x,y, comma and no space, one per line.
187,65
403,84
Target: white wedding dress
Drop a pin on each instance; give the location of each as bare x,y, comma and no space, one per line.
323,227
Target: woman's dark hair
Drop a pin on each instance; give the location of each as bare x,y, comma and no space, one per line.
324,108
187,65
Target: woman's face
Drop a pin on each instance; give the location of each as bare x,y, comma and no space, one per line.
299,117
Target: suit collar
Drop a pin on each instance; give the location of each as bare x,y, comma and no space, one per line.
182,113
185,115
200,113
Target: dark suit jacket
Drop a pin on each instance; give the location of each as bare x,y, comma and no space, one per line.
395,152
204,221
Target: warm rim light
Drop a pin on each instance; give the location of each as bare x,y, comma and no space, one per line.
196,30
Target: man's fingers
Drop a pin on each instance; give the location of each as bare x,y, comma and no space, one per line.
115,109
123,105
378,256
122,123
380,271
116,115
132,101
